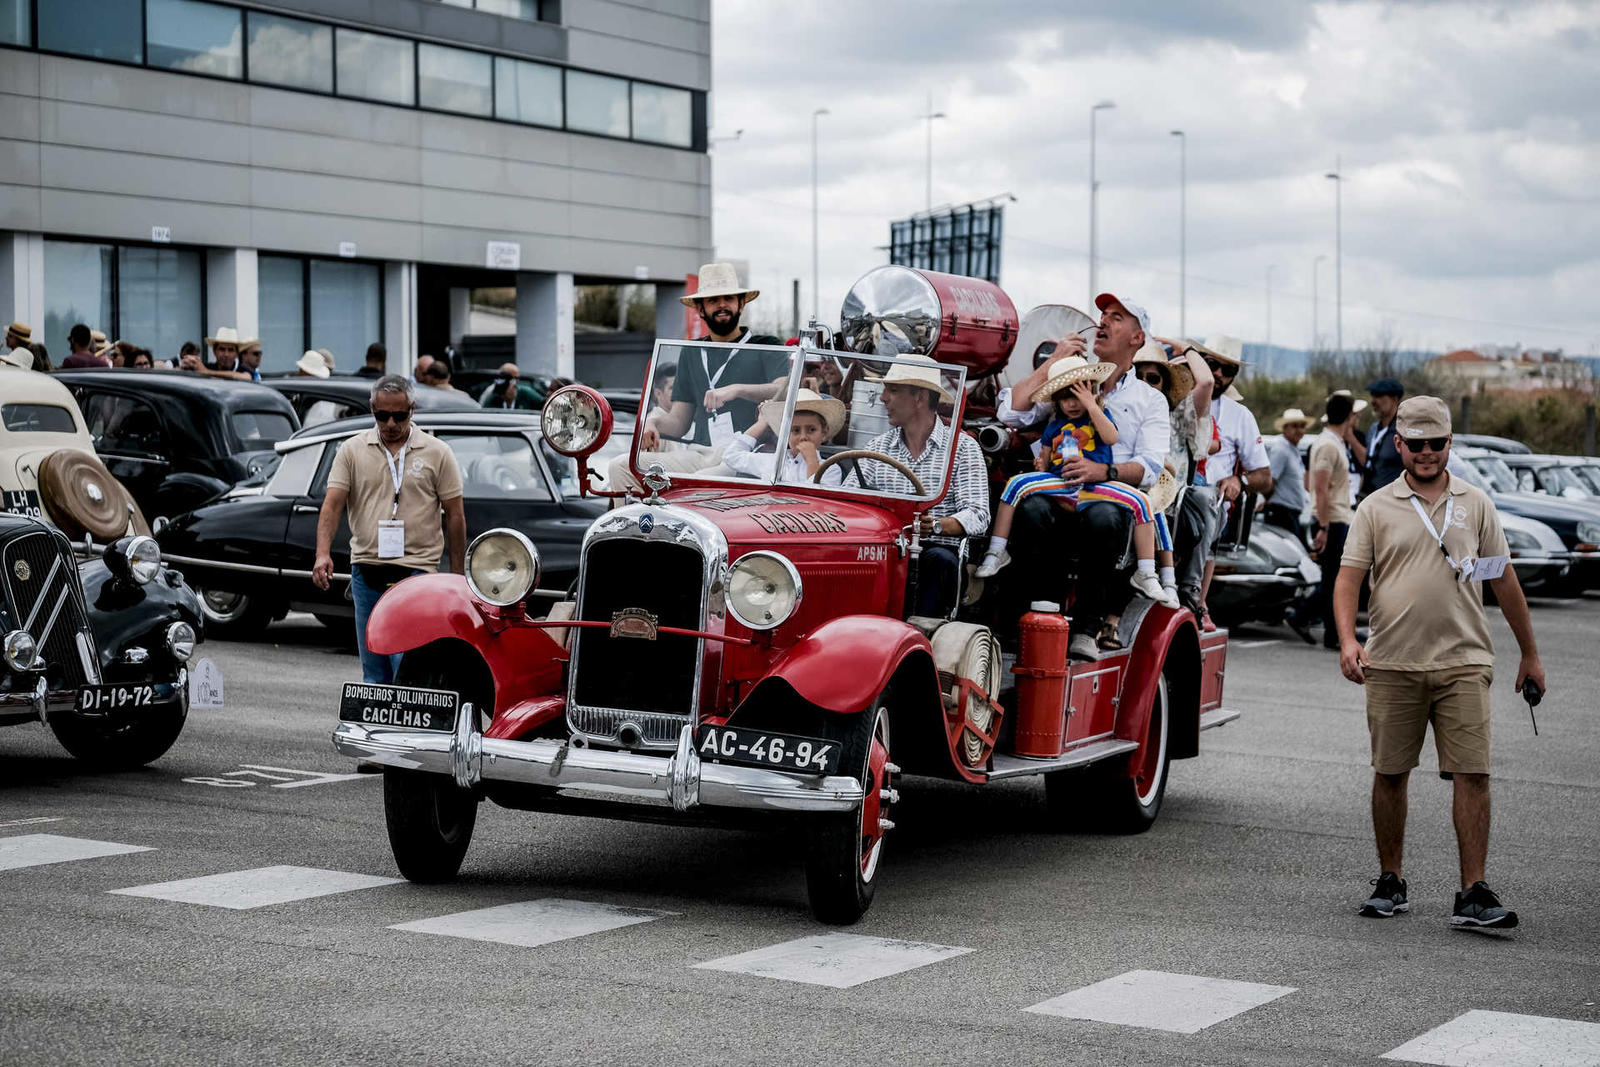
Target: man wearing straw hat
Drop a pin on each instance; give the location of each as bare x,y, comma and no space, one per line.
18,336
919,438
1288,472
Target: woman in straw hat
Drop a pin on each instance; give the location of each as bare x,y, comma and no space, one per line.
816,419
1082,427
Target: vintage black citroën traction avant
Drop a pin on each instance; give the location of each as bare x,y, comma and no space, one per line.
738,649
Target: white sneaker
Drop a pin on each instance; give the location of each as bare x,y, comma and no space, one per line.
1171,598
1150,586
992,564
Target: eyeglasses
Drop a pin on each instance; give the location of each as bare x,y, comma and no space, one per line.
1423,444
391,416
1154,378
1227,370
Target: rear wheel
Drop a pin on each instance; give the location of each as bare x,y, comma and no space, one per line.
120,747
233,615
843,850
1117,796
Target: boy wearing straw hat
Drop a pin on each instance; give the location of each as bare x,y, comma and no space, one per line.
816,419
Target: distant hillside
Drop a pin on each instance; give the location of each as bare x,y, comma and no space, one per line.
1276,361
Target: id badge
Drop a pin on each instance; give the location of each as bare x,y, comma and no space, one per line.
1489,568
720,425
391,538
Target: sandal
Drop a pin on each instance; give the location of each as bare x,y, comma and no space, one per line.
1106,639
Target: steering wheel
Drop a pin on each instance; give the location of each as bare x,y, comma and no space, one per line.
867,453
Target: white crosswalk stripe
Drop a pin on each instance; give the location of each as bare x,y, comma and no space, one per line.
530,923
1501,1039
34,850
257,888
1158,1000
836,960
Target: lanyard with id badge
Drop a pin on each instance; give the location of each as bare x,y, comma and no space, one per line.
719,424
1467,568
392,531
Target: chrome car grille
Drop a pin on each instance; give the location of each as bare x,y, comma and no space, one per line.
652,683
40,582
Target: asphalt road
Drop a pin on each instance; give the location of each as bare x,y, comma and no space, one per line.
1252,875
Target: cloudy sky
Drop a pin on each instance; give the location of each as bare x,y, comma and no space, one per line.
1467,134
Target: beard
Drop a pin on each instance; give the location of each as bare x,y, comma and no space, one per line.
720,322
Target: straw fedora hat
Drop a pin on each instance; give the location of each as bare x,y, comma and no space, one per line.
97,338
1292,415
313,363
924,375
1357,406
21,330
1069,369
1180,379
1221,346
226,335
718,279
1164,492
826,408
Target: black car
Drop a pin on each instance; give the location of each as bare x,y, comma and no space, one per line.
251,555
96,649
1576,522
1261,581
1553,475
179,440
320,400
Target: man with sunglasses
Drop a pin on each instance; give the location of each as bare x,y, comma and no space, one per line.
397,479
1428,542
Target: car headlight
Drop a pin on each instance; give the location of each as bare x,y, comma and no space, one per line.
763,590
576,420
1589,532
1522,544
502,567
20,650
180,640
136,559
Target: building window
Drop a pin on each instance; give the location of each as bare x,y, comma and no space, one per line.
291,52
102,29
516,9
453,79
373,66
15,23
194,36
317,303
281,303
158,298
527,92
663,114
77,288
597,104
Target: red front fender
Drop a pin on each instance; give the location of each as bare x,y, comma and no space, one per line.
842,664
523,661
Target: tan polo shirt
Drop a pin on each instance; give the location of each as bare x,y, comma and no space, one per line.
363,468
1423,618
1328,453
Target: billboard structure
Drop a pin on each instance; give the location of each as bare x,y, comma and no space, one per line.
957,240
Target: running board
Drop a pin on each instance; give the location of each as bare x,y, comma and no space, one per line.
1017,766
1217,717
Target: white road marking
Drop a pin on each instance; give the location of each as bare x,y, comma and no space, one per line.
257,888
33,821
34,850
281,777
1157,1000
1257,643
1501,1039
530,923
836,960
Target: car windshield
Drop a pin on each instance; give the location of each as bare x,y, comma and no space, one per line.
777,414
1496,473
1589,474
1565,481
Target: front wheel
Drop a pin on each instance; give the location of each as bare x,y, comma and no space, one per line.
843,851
430,822
123,746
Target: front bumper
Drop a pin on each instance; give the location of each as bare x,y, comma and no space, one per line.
46,703
681,780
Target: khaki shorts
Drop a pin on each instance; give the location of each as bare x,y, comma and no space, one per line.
1400,704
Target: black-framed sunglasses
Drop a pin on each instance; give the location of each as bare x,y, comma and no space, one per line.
1423,444
1227,370
391,416
1155,378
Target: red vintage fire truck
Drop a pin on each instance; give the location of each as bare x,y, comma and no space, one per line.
737,647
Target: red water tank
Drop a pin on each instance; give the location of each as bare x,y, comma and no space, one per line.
894,310
1042,681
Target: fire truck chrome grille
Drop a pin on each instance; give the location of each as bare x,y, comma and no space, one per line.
43,603
651,683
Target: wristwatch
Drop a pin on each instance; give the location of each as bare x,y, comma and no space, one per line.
1111,472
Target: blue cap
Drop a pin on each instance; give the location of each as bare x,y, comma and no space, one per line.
1386,387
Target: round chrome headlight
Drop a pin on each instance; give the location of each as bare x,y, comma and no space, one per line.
144,558
502,567
576,420
20,650
180,640
763,590
1589,532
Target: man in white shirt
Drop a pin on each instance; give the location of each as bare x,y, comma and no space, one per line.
1104,535
1242,461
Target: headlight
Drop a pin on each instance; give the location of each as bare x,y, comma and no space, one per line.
1522,544
502,567
20,650
1589,532
576,420
763,590
136,559
180,640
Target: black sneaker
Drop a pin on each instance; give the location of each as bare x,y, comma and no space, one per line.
1388,899
1479,907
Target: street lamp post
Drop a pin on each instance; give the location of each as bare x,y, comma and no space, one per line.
1316,331
930,116
1337,176
1094,191
1183,231
818,113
